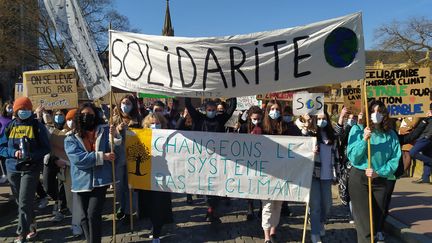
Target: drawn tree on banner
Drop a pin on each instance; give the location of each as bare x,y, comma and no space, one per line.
412,37
138,153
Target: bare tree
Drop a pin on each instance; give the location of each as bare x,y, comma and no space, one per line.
98,14
412,37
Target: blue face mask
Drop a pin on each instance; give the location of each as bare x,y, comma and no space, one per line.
126,108
274,114
24,114
211,114
351,122
59,119
155,126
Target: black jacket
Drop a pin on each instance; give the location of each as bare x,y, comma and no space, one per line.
217,124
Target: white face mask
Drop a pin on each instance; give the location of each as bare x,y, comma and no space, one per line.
322,123
69,123
255,121
377,118
351,122
155,126
274,114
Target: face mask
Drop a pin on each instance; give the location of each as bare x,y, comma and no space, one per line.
274,114
24,114
211,114
220,112
59,119
255,121
287,119
126,108
377,118
321,123
87,121
351,122
69,123
155,126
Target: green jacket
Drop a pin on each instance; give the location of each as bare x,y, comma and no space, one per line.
385,151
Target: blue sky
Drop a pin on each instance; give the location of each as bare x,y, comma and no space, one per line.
229,17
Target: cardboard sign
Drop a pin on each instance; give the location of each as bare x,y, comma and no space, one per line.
330,51
405,92
19,90
223,164
308,103
245,102
283,96
353,99
53,89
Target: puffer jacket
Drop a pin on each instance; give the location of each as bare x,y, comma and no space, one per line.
89,169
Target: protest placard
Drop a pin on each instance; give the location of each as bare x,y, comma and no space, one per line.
223,164
245,102
353,99
308,103
321,53
282,96
405,91
53,89
232,122
19,90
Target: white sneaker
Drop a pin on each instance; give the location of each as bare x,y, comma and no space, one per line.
43,203
322,230
3,179
380,237
156,240
351,221
58,217
76,230
316,239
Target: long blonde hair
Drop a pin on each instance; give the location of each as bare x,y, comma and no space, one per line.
147,120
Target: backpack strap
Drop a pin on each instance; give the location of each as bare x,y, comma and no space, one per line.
9,127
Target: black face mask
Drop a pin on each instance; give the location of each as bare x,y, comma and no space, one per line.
87,122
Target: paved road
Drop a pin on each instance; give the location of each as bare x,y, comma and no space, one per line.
189,225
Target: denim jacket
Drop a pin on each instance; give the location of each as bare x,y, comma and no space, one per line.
89,169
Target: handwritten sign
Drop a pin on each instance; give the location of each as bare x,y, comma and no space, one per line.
353,99
19,90
324,52
53,89
223,164
245,102
308,103
405,92
283,96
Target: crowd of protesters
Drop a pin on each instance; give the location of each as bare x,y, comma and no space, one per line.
76,177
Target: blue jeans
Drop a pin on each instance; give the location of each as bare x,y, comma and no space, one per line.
426,173
424,146
122,190
320,203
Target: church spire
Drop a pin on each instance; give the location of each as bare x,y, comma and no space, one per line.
167,29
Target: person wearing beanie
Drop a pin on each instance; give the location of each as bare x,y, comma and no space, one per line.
70,117
23,144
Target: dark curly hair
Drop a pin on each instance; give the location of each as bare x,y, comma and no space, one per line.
252,110
78,129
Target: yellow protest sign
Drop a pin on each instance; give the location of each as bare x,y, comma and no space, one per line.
352,99
53,89
405,91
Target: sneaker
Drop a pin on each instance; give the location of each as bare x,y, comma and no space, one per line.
3,179
58,217
31,235
380,237
120,216
268,241
43,203
19,239
76,231
322,230
316,239
211,217
351,221
420,181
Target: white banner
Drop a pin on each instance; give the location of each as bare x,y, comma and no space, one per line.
222,164
308,103
330,51
69,23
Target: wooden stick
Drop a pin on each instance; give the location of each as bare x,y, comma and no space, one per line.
369,166
305,222
112,144
130,208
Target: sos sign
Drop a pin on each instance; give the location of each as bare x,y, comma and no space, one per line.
308,103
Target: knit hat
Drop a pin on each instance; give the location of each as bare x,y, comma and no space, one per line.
71,114
22,103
